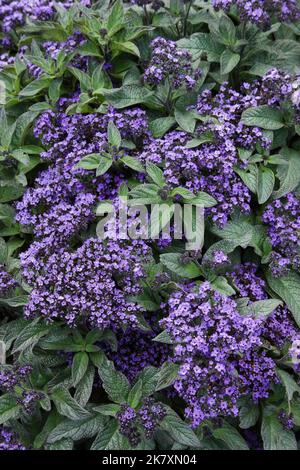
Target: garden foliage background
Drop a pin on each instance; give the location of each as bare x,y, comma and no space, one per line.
141,344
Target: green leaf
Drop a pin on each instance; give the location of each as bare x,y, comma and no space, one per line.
30,336
265,184
249,177
149,377
167,375
35,87
231,437
155,174
227,31
52,421
109,438
220,284
288,288
263,116
111,409
54,89
11,193
77,430
132,163
186,120
85,387
173,263
248,414
104,165
126,96
291,387
113,134
202,42
83,78
126,46
160,126
63,444
262,308
135,394
115,18
164,337
9,409
239,233
18,301
275,437
290,177
79,366
114,383
89,162
178,429
67,406
23,124
229,61
202,199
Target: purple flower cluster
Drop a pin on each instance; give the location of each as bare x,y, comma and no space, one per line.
150,415
62,199
283,219
52,49
147,419
286,420
260,12
13,13
170,62
89,285
9,440
127,418
279,328
137,350
248,284
210,167
218,351
6,282
15,381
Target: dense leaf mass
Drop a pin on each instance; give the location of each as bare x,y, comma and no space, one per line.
115,336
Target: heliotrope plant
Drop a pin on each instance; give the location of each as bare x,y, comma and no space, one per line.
121,343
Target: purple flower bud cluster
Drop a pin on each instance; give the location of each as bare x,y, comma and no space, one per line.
279,328
247,282
282,217
287,420
9,440
52,49
13,13
127,418
62,199
218,351
168,62
137,350
219,258
210,167
88,286
150,415
132,423
15,381
261,12
6,282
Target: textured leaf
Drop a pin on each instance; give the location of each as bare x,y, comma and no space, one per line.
275,437
263,116
288,288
